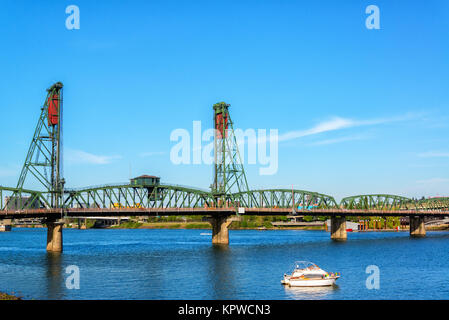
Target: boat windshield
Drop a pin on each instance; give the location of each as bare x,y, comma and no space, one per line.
306,265
313,276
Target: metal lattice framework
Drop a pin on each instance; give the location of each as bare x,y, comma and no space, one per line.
132,196
169,196
375,201
43,160
440,203
284,198
229,173
19,199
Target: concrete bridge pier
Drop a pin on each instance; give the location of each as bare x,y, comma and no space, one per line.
417,227
82,225
5,225
220,228
338,229
54,235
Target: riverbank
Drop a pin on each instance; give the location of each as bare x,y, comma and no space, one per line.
202,225
5,296
205,225
162,225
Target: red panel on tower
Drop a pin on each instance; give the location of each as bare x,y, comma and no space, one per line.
220,123
226,124
53,110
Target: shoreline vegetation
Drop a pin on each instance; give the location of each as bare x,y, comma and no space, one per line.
246,223
203,225
207,226
5,296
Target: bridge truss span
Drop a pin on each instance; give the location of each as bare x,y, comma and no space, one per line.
20,199
438,203
377,202
134,196
284,198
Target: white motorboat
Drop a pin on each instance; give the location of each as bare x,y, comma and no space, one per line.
308,274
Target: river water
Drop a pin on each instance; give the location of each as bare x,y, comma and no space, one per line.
183,264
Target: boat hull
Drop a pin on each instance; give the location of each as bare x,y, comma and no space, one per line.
311,283
308,282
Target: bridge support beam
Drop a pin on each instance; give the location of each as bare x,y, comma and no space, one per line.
338,229
417,227
220,228
5,225
54,236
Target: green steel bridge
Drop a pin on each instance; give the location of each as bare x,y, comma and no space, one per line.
162,196
174,200
230,194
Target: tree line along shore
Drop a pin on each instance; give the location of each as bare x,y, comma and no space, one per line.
5,296
246,222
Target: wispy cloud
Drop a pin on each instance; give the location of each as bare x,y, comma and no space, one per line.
82,157
433,181
331,125
338,123
337,140
151,154
334,124
434,154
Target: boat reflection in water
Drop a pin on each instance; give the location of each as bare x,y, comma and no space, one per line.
310,293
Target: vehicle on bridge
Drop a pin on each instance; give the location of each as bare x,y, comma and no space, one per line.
307,207
308,274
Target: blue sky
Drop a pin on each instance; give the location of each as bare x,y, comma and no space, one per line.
374,103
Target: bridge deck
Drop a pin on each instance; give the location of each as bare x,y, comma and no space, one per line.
72,212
